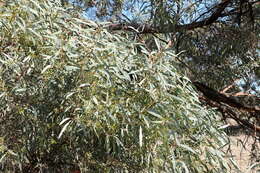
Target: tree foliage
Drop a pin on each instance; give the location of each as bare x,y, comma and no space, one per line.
218,43
217,40
220,38
74,96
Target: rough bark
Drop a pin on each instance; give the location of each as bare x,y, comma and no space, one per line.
229,106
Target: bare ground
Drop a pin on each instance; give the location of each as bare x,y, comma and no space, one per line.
244,150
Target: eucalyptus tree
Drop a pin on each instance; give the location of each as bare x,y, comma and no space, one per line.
75,96
217,43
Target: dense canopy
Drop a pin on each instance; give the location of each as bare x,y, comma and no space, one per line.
117,89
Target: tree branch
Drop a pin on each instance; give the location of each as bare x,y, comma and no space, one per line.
221,98
225,105
142,29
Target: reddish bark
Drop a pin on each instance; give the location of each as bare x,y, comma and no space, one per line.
226,106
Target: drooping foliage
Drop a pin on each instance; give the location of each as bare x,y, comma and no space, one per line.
218,43
74,96
220,38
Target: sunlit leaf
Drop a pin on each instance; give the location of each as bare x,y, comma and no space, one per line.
63,129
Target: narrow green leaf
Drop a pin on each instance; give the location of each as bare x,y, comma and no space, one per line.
63,129
46,68
154,114
140,136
